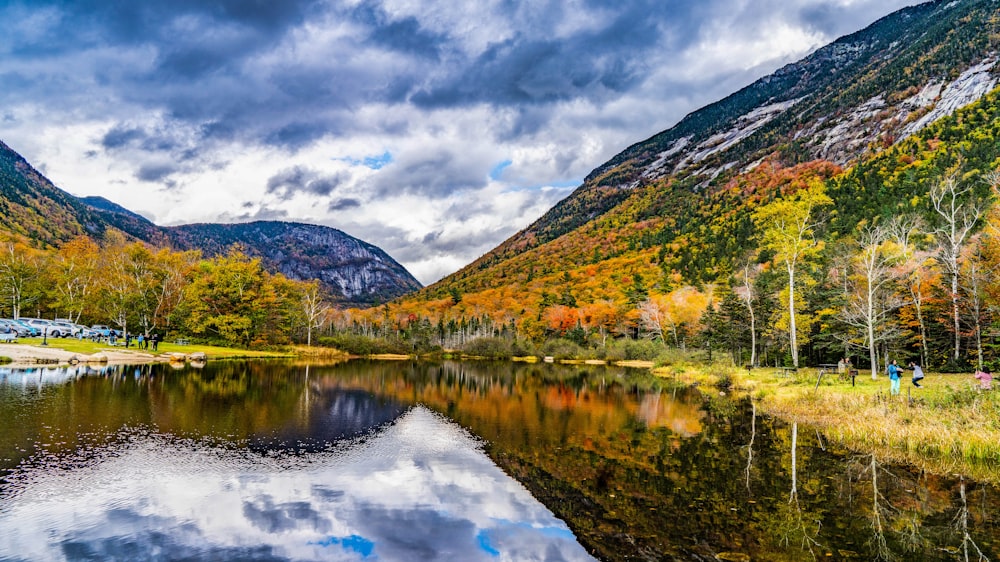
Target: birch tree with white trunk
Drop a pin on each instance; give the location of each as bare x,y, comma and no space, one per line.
959,213
872,300
787,226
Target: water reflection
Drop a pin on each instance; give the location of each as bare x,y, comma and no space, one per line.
263,461
419,489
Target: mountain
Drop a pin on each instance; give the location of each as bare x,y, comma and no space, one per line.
30,206
675,208
352,271
358,271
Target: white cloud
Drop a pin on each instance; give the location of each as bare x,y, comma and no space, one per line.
187,126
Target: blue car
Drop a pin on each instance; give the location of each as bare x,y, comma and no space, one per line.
22,328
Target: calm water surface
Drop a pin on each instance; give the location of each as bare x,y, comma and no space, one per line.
451,461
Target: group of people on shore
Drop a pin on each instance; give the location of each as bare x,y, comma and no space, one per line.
896,374
984,376
142,341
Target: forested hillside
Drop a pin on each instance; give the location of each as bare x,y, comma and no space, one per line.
350,271
881,149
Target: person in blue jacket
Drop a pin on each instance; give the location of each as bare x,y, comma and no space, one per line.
894,373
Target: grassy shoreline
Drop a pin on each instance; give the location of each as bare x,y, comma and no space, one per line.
86,348
947,426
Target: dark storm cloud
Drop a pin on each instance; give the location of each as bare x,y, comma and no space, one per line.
526,70
344,204
438,243
262,214
135,22
436,173
299,179
404,36
296,134
228,68
122,135
156,172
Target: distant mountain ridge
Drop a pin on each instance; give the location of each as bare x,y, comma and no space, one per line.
353,272
361,272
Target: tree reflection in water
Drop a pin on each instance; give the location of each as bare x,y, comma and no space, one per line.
639,468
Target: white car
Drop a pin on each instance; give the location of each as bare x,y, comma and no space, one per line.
48,327
83,331
66,329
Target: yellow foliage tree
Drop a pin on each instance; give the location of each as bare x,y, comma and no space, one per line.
787,226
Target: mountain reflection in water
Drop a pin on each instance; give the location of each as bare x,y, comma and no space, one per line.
414,486
388,461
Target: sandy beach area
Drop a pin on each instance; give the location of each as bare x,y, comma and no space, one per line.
33,355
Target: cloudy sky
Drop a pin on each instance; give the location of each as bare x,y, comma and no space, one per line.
432,129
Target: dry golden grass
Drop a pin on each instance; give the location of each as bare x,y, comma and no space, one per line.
948,425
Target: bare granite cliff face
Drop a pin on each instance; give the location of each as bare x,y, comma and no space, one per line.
353,271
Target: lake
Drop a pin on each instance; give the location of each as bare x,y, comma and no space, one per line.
445,461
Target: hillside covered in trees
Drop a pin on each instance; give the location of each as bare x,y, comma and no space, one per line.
350,271
844,205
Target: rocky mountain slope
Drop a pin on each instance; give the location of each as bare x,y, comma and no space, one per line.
668,198
359,272
353,271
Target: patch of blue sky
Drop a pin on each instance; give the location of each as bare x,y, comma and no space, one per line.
353,543
497,170
372,162
484,543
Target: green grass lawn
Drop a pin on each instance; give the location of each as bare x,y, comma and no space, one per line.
87,347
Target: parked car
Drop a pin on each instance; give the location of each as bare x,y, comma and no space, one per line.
18,328
66,328
48,327
7,334
82,331
31,330
105,331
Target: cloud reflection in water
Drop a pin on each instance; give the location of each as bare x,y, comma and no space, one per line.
421,489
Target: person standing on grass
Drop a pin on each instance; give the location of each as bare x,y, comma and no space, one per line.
985,378
918,373
894,372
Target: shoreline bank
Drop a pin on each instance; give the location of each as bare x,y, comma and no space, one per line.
27,355
948,425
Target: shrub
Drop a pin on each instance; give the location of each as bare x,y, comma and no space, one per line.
615,351
493,348
524,348
642,350
364,345
562,349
